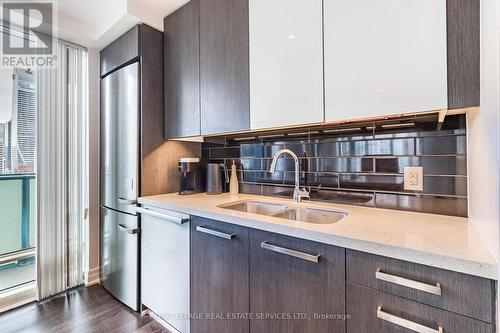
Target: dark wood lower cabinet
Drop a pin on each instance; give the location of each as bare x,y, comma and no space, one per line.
468,295
219,276
251,281
366,305
289,292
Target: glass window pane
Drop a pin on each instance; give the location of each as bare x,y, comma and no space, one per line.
18,117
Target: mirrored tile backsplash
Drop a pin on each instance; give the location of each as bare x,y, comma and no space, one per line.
360,166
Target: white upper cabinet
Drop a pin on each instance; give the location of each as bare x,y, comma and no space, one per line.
286,62
384,57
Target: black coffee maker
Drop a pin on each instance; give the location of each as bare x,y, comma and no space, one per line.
191,176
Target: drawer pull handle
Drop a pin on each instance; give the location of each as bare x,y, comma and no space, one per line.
428,288
406,323
289,252
215,233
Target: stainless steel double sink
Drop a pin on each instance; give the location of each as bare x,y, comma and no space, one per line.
289,212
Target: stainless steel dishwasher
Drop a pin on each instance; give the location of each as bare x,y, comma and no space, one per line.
165,265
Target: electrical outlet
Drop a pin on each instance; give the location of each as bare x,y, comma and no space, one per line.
414,178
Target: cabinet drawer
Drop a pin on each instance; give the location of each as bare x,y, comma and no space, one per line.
461,293
378,312
299,279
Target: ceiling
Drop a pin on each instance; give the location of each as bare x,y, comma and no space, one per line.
165,6
95,23
93,12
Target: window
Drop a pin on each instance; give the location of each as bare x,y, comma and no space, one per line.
17,177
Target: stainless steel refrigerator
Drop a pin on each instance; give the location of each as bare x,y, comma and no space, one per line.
132,128
120,137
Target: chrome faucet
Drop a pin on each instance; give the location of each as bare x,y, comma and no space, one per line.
298,194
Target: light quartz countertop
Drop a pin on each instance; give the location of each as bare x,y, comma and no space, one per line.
435,240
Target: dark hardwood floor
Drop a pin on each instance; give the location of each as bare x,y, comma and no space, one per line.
78,310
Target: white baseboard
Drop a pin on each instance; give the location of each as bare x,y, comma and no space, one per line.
17,297
92,277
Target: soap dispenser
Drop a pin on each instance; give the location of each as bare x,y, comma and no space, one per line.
233,183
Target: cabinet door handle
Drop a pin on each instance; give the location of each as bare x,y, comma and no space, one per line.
163,216
290,252
216,233
406,323
132,231
428,288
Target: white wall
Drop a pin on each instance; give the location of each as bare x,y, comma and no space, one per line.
93,231
483,136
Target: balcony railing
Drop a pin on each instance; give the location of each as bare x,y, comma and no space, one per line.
17,229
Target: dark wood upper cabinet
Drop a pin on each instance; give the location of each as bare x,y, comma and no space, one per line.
182,77
284,282
224,66
219,276
207,68
463,53
152,99
121,51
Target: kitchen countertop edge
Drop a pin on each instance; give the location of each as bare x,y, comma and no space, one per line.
485,268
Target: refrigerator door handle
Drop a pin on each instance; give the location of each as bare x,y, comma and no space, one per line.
132,231
125,201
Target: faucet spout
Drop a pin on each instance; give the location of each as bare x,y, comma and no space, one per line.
278,154
298,194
